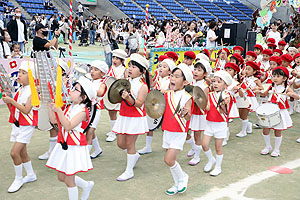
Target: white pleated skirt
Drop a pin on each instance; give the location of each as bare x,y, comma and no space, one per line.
131,125
71,161
234,112
253,104
286,121
198,122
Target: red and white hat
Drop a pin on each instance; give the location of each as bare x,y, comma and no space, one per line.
225,76
233,66
278,51
190,54
267,52
282,43
238,48
259,47
284,69
254,65
287,57
251,53
276,59
170,63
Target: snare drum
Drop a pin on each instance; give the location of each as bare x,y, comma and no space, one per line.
268,115
242,102
154,123
297,106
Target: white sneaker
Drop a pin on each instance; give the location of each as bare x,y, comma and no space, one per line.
86,191
125,176
266,151
173,190
275,154
111,138
108,134
96,154
182,184
298,140
191,153
224,142
216,171
241,134
249,128
230,120
144,150
28,179
44,156
194,161
209,165
16,185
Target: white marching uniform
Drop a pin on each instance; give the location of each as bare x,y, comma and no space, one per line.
234,112
248,84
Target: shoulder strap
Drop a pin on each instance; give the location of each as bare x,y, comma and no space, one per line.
94,109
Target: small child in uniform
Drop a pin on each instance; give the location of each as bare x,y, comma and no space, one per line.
16,51
238,49
258,49
221,60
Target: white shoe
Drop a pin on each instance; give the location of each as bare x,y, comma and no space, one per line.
275,154
16,185
144,150
182,184
191,153
108,134
125,176
209,165
224,142
298,140
44,156
266,151
96,154
86,191
111,138
230,120
172,191
28,179
194,161
241,134
216,171
249,128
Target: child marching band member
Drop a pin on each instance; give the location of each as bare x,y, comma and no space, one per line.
236,59
75,158
238,49
272,46
117,71
279,93
281,46
23,128
218,108
53,131
287,59
175,125
296,74
277,52
222,60
162,85
258,49
189,58
250,56
251,85
292,51
274,61
99,69
132,120
172,55
202,69
264,64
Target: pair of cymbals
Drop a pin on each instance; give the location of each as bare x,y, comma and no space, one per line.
116,89
107,104
198,95
155,104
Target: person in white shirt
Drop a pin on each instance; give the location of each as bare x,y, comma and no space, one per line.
211,35
274,33
80,9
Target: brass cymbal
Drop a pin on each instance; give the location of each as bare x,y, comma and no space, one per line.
114,92
109,106
199,97
155,104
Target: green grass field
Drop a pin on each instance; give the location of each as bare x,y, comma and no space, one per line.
152,176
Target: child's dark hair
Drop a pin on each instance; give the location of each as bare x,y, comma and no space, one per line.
176,68
280,72
238,76
236,60
142,70
200,66
122,60
86,101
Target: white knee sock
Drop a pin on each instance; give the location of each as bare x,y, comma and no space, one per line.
81,182
148,142
228,134
209,155
28,168
177,170
197,150
96,144
191,141
18,171
219,159
90,147
244,125
112,123
174,175
277,143
267,140
52,143
131,160
291,103
73,193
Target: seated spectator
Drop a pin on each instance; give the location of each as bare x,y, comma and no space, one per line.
187,40
46,5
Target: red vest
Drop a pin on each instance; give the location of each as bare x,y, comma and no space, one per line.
282,103
214,114
250,92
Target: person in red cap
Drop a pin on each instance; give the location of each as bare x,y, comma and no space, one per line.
296,65
270,40
264,64
272,46
258,49
236,59
251,85
281,45
279,94
250,56
189,58
292,51
238,49
172,55
206,52
286,60
274,61
222,59
277,52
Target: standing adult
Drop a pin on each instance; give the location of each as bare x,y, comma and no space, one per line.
274,33
17,29
80,9
211,35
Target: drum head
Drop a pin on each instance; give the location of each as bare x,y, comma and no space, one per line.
267,109
154,123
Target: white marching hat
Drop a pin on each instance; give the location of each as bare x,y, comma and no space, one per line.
202,56
88,87
63,65
170,63
24,66
225,76
99,64
119,53
207,66
187,72
140,59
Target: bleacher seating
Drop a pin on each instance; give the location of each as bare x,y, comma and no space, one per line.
187,10
36,7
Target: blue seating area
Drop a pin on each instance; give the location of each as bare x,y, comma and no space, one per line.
36,7
186,10
4,4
